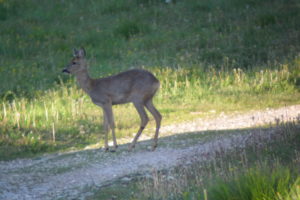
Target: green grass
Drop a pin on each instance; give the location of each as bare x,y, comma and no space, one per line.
219,56
257,183
117,190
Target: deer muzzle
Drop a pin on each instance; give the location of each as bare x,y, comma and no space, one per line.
65,71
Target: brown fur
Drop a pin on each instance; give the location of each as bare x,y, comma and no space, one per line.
137,86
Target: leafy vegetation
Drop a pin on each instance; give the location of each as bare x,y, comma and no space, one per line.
225,56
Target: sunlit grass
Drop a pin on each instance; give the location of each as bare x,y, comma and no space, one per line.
64,117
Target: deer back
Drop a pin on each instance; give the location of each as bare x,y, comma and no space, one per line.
128,86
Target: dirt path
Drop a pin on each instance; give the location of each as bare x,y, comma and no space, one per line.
70,175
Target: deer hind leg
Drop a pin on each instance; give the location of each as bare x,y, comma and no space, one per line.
144,120
157,116
107,108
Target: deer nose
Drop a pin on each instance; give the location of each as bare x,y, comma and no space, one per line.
65,71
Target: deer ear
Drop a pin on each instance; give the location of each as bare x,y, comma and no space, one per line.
81,53
75,52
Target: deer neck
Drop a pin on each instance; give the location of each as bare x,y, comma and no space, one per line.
84,80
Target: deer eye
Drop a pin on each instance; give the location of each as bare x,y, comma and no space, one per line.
73,63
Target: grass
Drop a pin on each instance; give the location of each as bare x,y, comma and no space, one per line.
65,118
219,56
258,183
117,190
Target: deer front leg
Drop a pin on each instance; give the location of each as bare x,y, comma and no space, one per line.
110,119
106,130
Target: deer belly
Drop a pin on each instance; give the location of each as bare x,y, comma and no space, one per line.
119,99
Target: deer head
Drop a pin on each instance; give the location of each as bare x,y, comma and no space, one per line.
78,63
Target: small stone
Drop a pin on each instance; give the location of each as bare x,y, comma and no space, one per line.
126,179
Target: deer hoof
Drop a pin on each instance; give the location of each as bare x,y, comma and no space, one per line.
130,148
153,147
114,149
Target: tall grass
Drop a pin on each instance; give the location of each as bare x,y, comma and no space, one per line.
64,116
258,183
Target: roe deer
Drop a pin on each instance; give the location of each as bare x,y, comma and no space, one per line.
137,86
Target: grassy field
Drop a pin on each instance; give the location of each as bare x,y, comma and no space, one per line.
216,55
